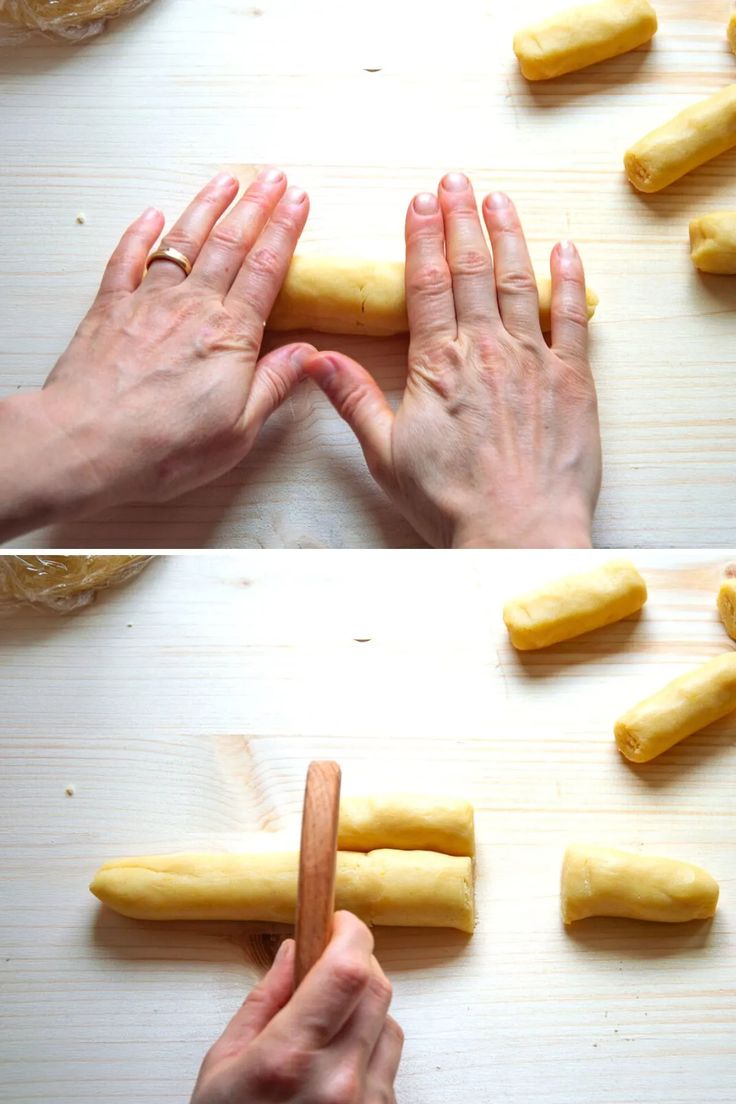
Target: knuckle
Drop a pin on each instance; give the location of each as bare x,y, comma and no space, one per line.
351,975
380,987
430,279
517,281
575,314
282,1074
473,262
395,1031
345,1088
177,239
352,402
263,262
226,235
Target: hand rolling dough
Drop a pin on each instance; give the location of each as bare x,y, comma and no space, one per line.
406,823
601,881
575,604
389,888
684,706
696,135
582,36
345,296
727,606
713,243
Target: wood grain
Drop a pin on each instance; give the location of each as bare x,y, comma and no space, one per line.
184,710
315,904
145,113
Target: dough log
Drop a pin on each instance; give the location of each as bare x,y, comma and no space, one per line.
727,606
684,706
388,888
713,243
574,605
582,36
601,881
732,32
406,823
696,135
344,296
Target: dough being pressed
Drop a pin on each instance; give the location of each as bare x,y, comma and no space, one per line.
602,881
406,823
713,243
727,606
582,36
696,135
347,296
575,604
684,706
386,887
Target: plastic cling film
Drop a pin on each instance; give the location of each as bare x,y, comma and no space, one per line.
66,19
63,583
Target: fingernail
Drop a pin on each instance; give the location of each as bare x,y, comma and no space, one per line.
455,182
151,214
425,204
270,176
282,952
499,200
224,180
295,195
567,250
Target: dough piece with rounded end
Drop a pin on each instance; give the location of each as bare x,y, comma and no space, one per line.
713,243
385,887
602,881
698,134
346,296
582,36
727,606
406,823
574,604
684,706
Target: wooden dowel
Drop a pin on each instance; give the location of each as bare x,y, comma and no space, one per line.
315,905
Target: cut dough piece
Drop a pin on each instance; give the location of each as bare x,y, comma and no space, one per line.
727,606
582,36
698,134
407,823
346,296
684,706
575,604
713,243
602,881
390,888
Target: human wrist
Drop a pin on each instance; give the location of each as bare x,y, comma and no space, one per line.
568,528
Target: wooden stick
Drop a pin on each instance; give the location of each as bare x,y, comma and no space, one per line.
315,906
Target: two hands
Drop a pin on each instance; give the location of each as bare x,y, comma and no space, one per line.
496,440
331,1042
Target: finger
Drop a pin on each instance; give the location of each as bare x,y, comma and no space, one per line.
468,254
225,250
384,1064
359,400
330,992
569,305
276,376
357,1040
264,269
516,285
189,234
260,1006
126,266
429,299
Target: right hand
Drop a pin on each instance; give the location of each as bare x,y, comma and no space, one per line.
330,1042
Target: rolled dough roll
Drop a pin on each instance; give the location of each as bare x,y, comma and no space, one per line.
732,32
389,888
727,606
575,604
407,823
346,296
601,881
582,36
684,706
713,243
696,135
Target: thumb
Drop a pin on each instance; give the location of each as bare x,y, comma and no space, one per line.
360,401
276,375
259,1007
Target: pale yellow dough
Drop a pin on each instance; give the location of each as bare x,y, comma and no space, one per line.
732,32
406,823
582,36
727,606
684,706
696,135
389,888
601,881
348,296
575,604
713,243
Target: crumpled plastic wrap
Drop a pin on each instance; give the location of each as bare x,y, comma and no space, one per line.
72,20
62,583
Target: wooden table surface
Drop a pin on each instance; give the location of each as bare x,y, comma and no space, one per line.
144,114
183,710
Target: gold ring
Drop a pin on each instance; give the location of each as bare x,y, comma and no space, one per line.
166,253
